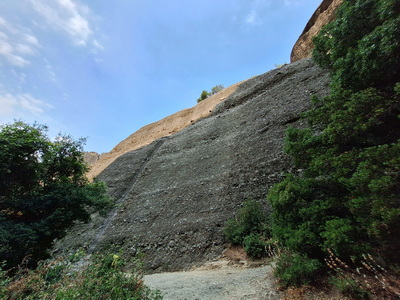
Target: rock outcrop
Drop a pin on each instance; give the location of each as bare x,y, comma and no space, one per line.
165,127
324,14
91,157
174,195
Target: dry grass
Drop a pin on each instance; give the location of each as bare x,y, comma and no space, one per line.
367,275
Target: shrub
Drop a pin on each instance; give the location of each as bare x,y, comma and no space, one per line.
104,278
249,219
348,287
254,245
250,228
204,95
294,269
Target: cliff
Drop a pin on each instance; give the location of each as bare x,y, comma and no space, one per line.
324,14
165,127
174,195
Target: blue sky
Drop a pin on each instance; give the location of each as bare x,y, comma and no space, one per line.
103,69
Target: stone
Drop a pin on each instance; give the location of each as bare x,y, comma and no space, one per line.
174,196
324,14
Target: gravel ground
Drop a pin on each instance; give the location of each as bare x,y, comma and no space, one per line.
219,280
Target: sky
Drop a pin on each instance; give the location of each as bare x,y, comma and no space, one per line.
103,69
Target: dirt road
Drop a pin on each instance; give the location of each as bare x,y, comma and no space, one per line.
220,280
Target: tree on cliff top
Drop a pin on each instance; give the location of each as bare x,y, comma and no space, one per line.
204,94
43,190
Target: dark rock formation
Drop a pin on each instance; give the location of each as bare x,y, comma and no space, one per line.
324,14
174,195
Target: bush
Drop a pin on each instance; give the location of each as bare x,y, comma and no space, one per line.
250,228
204,95
249,219
348,287
104,278
254,245
294,269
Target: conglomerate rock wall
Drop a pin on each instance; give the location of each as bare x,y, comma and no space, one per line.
174,195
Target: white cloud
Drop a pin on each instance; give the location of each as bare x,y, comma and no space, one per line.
10,53
251,17
17,106
32,40
24,49
15,45
67,16
256,6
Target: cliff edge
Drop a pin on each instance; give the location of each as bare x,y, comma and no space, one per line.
324,14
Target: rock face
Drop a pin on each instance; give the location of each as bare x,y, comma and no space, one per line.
324,14
91,157
165,127
174,195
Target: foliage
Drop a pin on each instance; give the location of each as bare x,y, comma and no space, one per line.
347,197
103,278
249,228
217,89
254,245
348,287
4,281
43,190
294,269
205,94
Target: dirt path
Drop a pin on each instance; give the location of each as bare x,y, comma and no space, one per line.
220,280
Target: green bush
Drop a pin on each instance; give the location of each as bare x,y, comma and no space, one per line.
254,246
294,269
104,278
348,287
204,95
250,229
249,219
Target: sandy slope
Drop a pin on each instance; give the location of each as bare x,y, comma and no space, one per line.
165,127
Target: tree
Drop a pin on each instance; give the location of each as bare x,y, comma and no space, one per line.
217,89
205,94
347,198
43,190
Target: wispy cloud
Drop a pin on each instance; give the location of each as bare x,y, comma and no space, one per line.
15,45
252,17
20,105
69,17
